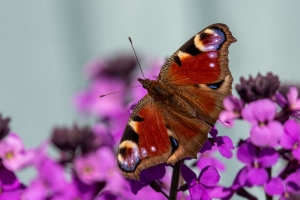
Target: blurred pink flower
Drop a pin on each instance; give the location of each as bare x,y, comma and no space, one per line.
13,153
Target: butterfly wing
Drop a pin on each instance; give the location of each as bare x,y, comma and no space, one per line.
150,137
198,76
145,141
202,59
198,73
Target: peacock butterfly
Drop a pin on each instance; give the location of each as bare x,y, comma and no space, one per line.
172,121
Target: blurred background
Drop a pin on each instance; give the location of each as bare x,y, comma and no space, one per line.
45,44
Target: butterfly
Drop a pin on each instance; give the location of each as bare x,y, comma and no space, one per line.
172,121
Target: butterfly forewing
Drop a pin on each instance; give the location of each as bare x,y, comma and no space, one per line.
173,120
202,59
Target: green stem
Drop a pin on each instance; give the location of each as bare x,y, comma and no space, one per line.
175,180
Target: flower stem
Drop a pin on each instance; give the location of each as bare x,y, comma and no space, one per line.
242,192
175,180
268,197
156,186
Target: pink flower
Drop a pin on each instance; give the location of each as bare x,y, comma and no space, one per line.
200,187
288,188
88,101
291,138
224,144
257,161
13,154
50,180
207,159
291,103
265,130
233,108
293,100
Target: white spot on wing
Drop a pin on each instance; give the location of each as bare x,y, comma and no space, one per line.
212,55
144,152
153,149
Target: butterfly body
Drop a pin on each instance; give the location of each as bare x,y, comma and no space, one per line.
172,121
167,97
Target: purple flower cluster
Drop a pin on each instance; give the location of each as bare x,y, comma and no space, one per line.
85,166
274,138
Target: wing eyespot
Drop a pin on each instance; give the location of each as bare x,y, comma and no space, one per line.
215,86
128,156
174,144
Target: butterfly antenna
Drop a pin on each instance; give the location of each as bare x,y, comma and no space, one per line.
136,57
118,91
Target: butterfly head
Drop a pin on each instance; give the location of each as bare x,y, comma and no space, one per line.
145,82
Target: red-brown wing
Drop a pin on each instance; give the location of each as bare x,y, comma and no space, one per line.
201,60
156,134
206,100
145,141
198,73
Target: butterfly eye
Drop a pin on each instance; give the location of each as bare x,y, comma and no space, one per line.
215,86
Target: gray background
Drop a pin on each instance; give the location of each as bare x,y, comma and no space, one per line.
44,45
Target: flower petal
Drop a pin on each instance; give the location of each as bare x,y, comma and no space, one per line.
209,176
206,147
292,181
292,95
296,153
260,135
206,161
12,144
276,130
188,174
287,142
246,153
153,173
280,100
257,176
274,187
197,190
240,179
267,157
264,110
248,115
227,117
8,180
213,132
292,129
232,103
225,145
221,192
